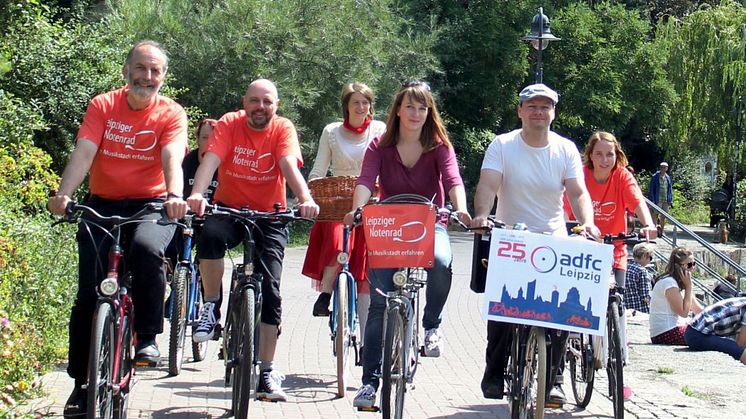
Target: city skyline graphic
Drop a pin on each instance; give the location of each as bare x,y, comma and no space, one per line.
569,312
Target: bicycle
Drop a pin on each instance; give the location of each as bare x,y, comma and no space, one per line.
582,350
185,302
401,329
525,375
110,363
241,331
343,319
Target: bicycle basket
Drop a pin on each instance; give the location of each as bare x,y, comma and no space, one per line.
333,195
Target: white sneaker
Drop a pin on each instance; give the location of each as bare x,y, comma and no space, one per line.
269,386
433,343
365,397
206,323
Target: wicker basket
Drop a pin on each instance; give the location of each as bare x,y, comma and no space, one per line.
334,196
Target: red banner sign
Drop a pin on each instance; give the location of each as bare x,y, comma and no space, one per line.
400,235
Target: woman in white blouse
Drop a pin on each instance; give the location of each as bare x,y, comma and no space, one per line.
668,308
341,148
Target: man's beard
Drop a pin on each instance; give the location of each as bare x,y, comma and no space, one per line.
259,120
142,92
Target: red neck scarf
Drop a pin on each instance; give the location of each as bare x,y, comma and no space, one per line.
359,130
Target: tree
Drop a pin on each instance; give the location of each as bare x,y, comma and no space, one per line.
706,55
217,48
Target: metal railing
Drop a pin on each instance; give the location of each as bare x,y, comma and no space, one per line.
741,271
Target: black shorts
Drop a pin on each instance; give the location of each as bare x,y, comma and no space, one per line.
270,237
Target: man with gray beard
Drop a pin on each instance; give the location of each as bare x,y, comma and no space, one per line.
131,143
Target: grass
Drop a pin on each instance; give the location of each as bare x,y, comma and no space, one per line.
665,370
691,393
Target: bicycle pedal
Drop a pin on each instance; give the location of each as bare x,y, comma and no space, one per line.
145,363
372,409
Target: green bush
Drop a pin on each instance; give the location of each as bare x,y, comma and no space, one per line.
689,211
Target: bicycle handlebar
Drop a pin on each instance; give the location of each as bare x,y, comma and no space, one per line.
286,215
73,208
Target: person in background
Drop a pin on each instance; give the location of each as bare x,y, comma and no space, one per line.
194,158
414,156
256,152
724,291
614,192
720,327
668,308
342,148
131,145
661,193
638,279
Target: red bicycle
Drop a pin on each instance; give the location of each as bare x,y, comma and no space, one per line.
110,363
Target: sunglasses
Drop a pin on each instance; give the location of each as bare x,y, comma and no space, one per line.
416,83
689,265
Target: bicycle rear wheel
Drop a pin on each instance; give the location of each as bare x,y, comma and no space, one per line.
533,375
199,350
101,364
126,370
582,371
394,365
244,357
342,334
615,365
178,319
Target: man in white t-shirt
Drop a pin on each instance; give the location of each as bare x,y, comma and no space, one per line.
528,170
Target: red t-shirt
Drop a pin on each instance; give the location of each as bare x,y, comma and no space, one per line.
249,174
128,162
611,200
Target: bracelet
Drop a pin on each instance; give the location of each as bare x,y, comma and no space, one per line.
174,195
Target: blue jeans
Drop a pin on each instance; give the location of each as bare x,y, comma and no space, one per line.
436,292
699,341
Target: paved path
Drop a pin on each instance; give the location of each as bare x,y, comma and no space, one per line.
447,387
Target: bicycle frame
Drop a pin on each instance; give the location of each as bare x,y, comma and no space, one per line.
407,299
343,259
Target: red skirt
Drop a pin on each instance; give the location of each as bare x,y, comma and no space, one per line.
325,244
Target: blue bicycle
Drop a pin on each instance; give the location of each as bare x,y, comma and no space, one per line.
185,301
343,319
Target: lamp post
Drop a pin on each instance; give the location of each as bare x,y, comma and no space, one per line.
739,113
539,38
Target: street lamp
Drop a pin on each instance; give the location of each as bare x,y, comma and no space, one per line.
539,38
739,110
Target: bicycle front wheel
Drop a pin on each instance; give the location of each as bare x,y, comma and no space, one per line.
244,357
177,316
126,370
615,365
582,371
101,364
342,334
199,349
394,367
534,375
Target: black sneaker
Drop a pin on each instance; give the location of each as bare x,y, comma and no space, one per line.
77,404
147,351
492,387
269,387
321,306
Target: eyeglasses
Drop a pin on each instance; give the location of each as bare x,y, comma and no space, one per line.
417,83
689,265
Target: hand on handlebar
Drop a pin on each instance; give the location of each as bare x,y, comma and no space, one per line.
176,208
308,208
649,232
197,203
590,230
57,204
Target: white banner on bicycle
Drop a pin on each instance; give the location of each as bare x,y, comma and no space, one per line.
555,282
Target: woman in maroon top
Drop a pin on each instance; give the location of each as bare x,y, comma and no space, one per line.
414,156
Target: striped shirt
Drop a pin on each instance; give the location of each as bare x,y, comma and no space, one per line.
723,318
